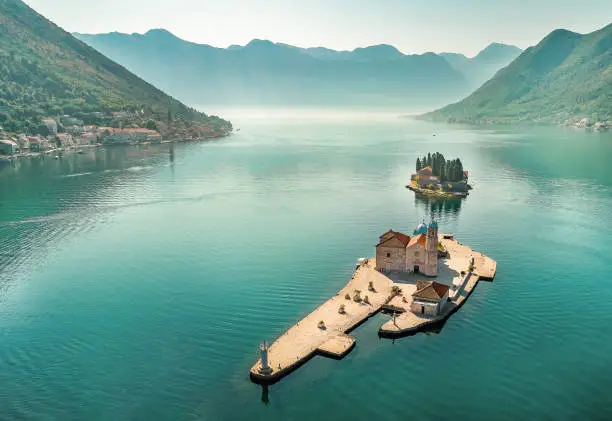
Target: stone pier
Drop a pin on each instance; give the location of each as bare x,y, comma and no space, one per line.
325,330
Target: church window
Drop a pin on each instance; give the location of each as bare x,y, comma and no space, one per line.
388,254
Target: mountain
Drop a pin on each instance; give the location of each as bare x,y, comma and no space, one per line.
267,73
485,64
567,76
45,71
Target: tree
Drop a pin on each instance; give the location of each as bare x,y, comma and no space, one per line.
42,130
151,125
169,116
418,164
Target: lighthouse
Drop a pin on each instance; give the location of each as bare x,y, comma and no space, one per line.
265,367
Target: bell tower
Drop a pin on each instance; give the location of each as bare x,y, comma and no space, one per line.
431,250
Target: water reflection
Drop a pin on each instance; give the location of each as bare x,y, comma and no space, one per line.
265,397
435,207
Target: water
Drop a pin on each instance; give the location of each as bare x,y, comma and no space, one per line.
136,284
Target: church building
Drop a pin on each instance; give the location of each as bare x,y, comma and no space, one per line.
401,253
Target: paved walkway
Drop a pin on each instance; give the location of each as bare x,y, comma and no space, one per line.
305,338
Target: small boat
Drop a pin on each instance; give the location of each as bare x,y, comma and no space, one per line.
80,151
56,157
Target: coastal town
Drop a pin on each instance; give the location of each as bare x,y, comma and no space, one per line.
419,279
124,128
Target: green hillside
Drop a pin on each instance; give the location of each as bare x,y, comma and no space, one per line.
45,71
566,77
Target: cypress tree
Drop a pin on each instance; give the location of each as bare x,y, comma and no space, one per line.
418,164
428,159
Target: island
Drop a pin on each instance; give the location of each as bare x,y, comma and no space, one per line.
438,177
421,280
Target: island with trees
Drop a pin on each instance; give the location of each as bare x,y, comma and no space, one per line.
437,176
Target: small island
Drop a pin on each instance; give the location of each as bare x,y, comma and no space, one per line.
419,279
436,176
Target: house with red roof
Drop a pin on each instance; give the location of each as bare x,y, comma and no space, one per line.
429,298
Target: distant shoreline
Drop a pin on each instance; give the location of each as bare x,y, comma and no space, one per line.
29,154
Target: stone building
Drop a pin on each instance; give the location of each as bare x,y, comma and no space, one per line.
429,298
8,147
401,253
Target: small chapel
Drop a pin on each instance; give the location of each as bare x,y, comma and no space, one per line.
418,253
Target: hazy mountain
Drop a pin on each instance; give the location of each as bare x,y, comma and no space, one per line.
566,76
267,73
46,71
485,64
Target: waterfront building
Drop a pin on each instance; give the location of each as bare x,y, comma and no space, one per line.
425,172
8,147
23,142
65,139
401,253
429,298
38,144
130,135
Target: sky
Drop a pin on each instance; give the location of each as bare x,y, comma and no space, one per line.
412,26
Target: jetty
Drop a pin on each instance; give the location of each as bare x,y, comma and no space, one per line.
306,338
326,331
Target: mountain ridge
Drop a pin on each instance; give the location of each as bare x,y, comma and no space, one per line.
564,78
280,74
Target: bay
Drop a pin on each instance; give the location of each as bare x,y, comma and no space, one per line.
136,283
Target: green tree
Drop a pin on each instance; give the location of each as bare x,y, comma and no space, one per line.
151,125
42,130
418,164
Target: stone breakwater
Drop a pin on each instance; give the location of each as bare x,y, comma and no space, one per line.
326,330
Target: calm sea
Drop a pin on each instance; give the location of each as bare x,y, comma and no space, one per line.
136,283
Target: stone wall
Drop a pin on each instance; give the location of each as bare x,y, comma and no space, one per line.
391,258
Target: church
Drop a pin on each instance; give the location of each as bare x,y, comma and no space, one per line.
418,253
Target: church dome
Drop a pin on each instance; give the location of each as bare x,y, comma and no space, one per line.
421,229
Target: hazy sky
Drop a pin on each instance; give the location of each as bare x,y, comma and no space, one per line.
413,26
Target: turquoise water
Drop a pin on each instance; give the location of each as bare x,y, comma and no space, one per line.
136,286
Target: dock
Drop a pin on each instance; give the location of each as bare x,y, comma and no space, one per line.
306,339
326,331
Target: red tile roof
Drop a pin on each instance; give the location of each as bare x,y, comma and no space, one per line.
403,238
431,290
420,238
426,170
